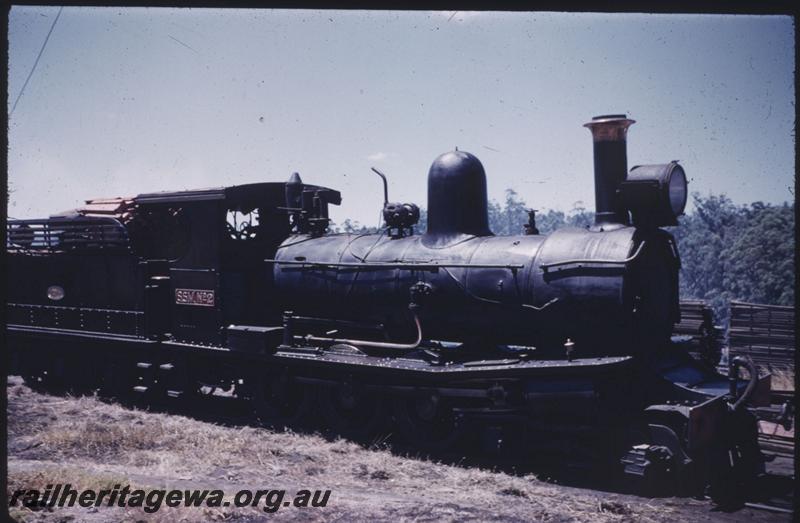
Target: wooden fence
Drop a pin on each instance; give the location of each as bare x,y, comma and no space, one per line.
766,333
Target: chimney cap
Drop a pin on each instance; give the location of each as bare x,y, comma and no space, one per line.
609,127
610,117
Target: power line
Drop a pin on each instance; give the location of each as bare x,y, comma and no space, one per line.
37,61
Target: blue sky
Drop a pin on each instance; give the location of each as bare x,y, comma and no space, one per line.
131,100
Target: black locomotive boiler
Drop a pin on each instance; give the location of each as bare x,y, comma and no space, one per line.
542,343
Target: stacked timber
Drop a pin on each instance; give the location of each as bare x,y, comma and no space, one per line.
704,339
766,333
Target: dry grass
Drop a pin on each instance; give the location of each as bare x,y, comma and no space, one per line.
84,441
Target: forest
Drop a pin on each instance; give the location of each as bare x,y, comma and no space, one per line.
728,251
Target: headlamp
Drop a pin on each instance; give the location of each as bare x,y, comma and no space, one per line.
655,195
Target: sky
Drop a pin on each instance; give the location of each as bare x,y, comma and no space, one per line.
132,100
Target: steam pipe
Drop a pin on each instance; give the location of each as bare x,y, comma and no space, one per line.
375,344
733,378
385,185
610,166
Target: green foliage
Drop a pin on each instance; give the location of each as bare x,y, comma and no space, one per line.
509,219
579,216
422,225
549,221
731,252
702,237
353,227
759,261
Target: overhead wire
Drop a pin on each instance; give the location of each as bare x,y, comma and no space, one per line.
36,62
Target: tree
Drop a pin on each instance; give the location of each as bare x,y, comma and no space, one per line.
759,258
549,221
579,216
731,252
510,219
701,238
514,215
352,227
422,224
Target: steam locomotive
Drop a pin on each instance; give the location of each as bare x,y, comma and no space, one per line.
557,343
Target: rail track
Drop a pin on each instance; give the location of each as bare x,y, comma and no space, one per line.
783,509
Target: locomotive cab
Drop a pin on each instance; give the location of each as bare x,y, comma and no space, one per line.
179,265
216,277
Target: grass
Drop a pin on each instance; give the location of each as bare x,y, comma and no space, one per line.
87,442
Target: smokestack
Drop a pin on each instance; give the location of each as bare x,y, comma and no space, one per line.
610,166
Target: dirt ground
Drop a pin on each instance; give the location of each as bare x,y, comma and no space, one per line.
93,444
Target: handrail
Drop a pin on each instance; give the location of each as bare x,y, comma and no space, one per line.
374,344
546,266
57,233
397,265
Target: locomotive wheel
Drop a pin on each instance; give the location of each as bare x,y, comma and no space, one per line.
427,422
351,411
280,402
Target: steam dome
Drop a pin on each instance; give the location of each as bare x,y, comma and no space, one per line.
457,196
